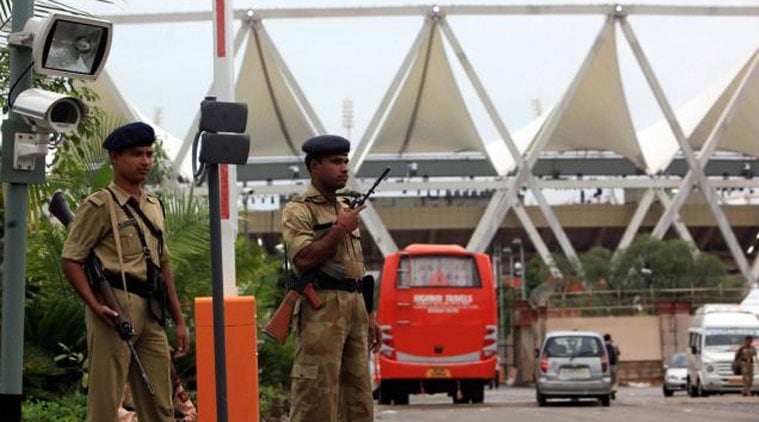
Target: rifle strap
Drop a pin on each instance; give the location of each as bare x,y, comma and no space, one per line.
132,203
117,241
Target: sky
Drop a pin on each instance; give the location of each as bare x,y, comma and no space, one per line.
525,62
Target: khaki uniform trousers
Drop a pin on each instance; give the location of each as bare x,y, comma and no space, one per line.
747,373
110,364
330,375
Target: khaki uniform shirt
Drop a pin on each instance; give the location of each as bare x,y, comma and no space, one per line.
310,216
746,354
91,230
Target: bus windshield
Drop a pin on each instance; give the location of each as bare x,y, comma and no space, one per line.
438,271
728,336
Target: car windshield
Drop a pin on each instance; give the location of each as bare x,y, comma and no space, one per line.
678,361
573,346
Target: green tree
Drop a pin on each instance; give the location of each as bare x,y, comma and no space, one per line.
597,265
661,264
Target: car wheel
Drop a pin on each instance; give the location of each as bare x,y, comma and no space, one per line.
613,395
605,400
667,392
541,399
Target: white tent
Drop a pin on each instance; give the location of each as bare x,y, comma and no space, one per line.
113,103
429,114
698,117
741,132
277,123
596,116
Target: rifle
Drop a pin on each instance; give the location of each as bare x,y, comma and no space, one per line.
94,270
360,200
278,327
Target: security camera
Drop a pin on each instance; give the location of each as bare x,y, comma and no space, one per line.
49,111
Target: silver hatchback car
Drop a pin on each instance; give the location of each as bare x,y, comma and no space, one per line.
573,364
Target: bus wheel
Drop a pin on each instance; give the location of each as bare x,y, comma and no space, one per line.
477,394
383,394
401,398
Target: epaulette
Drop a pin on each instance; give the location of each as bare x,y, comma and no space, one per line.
157,198
297,198
98,198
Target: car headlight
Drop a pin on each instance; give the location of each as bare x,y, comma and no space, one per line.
709,368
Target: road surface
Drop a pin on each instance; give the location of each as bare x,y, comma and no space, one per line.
633,404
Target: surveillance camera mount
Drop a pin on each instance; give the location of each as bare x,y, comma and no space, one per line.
28,147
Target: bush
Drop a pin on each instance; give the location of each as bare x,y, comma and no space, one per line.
69,408
274,403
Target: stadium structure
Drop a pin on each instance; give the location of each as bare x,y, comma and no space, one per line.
448,185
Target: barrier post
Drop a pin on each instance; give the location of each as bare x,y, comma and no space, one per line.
241,359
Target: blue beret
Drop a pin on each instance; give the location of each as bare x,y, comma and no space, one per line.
326,145
135,134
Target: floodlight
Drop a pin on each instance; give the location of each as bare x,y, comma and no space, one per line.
67,45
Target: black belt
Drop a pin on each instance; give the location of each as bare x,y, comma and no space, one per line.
133,284
346,284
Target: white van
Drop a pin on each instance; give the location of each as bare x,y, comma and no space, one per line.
716,332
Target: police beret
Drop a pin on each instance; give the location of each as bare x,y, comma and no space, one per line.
326,145
136,134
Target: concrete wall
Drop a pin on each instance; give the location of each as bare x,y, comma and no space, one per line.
639,338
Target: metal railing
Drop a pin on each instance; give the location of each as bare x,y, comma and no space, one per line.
622,302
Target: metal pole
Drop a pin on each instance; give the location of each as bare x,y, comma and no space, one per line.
224,81
502,307
16,204
524,272
219,349
497,276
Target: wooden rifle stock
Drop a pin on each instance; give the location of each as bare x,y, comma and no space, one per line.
278,327
94,270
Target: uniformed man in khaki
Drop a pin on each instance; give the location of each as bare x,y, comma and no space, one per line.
330,375
130,150
746,357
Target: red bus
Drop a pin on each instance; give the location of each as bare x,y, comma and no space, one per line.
437,312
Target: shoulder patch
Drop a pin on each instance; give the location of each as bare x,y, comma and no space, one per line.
98,198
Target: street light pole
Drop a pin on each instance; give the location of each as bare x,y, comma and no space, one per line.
502,325
16,192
